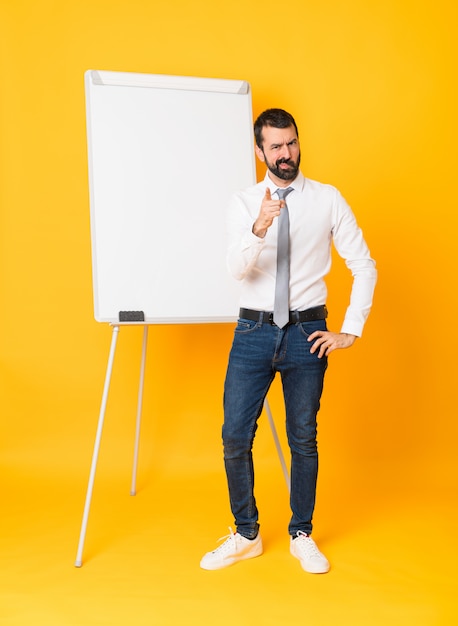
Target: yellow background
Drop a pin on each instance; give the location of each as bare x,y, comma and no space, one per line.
372,86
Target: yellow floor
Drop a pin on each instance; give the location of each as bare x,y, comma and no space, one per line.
393,554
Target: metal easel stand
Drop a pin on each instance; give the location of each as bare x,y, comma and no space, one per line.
98,438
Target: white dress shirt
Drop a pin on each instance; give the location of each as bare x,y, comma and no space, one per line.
318,216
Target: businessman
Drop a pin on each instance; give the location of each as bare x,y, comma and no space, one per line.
280,233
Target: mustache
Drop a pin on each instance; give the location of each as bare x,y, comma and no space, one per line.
287,161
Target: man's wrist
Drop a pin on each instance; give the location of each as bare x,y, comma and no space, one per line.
259,232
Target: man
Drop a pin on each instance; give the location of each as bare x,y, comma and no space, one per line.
297,346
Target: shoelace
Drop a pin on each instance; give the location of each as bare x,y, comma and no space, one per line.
307,544
228,541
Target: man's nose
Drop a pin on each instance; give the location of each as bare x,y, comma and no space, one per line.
285,152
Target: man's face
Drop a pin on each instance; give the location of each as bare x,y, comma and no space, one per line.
280,152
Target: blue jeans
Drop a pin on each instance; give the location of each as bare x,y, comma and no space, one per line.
258,352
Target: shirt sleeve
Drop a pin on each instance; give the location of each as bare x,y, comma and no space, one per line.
351,246
244,247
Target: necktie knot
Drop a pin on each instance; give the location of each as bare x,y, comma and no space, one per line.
282,193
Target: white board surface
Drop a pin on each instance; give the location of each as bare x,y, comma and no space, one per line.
165,154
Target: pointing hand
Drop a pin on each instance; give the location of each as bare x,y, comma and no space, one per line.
270,209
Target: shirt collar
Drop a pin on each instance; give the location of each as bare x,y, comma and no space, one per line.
298,183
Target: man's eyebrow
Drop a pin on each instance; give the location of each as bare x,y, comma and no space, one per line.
288,143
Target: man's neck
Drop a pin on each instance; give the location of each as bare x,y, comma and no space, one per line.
280,182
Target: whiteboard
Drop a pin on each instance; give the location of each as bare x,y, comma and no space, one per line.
165,153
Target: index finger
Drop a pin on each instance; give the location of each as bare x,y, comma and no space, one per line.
315,335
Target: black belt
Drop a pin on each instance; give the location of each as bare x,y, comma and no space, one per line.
266,317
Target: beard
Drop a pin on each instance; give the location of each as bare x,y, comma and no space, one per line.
284,174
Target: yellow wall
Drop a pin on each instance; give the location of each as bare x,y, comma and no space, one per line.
372,86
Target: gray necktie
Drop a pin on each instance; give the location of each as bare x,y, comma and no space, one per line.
281,305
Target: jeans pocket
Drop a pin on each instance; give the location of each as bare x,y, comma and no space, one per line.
307,328
245,326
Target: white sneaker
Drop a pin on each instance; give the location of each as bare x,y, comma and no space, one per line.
305,549
235,548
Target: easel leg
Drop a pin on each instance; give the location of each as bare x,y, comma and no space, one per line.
277,444
133,488
95,454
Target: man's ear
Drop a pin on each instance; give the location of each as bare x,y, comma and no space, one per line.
259,153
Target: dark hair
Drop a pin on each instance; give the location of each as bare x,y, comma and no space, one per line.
278,118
